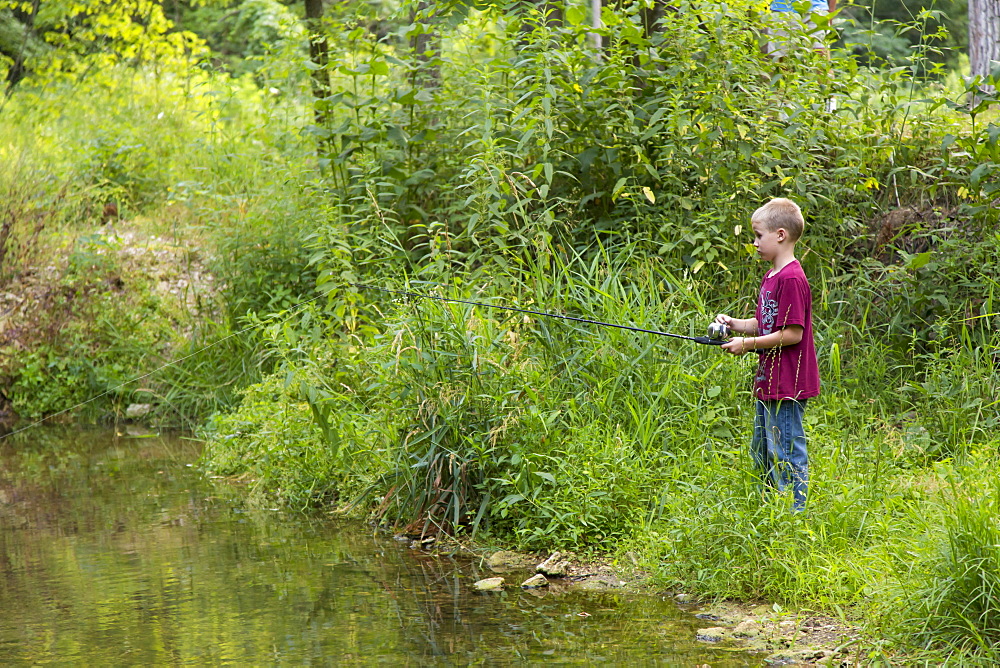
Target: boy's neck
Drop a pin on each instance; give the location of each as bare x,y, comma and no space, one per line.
783,259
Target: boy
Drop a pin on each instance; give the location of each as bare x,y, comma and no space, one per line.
781,330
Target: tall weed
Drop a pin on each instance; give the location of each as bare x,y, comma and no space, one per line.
482,418
110,176
944,596
718,533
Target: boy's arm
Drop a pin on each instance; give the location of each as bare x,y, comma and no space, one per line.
786,336
738,325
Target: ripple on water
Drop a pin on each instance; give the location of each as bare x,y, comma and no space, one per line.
117,551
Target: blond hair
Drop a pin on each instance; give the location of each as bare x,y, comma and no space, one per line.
780,213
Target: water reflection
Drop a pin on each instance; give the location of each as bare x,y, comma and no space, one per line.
116,551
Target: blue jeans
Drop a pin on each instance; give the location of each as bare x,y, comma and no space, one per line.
778,447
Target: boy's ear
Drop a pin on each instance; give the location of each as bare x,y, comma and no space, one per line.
782,234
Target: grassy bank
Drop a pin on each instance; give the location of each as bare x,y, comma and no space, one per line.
496,184
144,216
545,434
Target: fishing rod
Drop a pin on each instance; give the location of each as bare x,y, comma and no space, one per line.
717,332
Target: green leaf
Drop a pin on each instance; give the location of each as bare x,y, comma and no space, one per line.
917,261
619,186
977,174
396,135
511,499
575,15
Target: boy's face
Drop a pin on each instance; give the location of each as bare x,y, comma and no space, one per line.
767,242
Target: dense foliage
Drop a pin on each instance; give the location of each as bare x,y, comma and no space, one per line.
493,154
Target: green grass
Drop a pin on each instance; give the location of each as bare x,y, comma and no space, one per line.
544,434
161,213
500,186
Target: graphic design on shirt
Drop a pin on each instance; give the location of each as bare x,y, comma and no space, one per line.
768,318
768,313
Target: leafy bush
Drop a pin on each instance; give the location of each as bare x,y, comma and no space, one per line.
944,595
99,204
480,418
272,443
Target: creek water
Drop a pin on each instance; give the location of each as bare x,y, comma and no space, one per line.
116,550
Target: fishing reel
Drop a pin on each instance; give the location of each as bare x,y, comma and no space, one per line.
718,331
718,334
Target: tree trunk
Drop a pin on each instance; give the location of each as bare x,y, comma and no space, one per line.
319,54
8,223
650,17
984,36
17,69
595,22
427,49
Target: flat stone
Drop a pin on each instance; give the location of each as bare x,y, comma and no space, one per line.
489,584
555,566
714,634
748,628
596,584
796,656
535,581
506,559
138,410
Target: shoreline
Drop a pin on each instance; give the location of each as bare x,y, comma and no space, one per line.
782,637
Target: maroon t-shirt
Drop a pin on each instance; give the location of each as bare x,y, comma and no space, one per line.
788,372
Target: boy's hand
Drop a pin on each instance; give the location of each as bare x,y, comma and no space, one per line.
725,320
738,345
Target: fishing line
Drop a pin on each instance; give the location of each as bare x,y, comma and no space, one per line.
712,340
290,313
704,340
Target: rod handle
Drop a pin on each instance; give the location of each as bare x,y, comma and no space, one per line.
707,341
